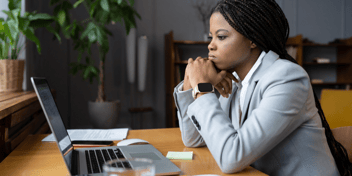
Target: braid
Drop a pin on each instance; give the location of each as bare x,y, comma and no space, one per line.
264,23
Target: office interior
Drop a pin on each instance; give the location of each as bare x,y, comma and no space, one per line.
320,21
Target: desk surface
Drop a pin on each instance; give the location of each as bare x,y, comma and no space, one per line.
33,157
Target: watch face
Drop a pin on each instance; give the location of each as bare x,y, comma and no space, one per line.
205,87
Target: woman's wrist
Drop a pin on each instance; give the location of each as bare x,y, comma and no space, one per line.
186,84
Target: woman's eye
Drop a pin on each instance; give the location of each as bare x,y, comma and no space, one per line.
210,38
221,37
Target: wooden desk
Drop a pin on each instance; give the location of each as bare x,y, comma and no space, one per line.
33,157
20,115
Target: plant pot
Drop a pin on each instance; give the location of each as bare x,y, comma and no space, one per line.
11,75
104,114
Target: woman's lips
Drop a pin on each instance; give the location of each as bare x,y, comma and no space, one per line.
211,57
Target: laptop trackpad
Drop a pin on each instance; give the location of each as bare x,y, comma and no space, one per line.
149,155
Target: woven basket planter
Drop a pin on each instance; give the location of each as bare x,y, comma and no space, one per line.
11,75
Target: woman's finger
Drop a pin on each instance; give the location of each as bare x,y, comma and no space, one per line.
225,86
230,75
220,89
229,83
190,60
198,58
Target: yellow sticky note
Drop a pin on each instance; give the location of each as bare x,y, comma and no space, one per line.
180,155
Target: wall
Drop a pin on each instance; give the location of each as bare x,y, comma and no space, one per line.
319,20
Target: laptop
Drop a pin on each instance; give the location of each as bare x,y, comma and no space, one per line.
89,161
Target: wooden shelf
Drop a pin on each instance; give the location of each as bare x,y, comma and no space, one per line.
174,63
327,44
182,62
189,42
331,83
331,63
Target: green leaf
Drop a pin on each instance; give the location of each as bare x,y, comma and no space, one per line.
92,36
66,31
86,72
2,28
103,16
23,23
105,5
94,70
108,32
101,35
30,35
41,16
4,49
13,14
61,17
7,32
92,8
12,28
136,13
14,4
119,2
131,2
89,28
52,30
40,23
66,5
77,3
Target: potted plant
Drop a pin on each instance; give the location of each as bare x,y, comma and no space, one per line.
12,33
93,32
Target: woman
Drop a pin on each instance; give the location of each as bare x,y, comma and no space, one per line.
267,117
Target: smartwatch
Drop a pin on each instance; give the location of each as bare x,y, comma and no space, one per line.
202,88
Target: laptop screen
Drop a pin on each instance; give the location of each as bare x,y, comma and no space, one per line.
53,117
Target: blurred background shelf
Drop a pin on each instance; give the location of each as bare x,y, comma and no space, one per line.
336,75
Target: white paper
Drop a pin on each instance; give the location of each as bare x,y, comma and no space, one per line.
94,134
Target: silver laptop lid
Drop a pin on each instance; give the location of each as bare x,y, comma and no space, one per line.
54,119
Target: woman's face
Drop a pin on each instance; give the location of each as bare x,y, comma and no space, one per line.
228,49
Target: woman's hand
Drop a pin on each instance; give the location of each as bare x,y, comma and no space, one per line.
224,87
202,70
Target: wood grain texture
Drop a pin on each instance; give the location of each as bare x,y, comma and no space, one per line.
24,113
2,139
41,122
18,119
12,105
17,138
33,157
7,96
44,129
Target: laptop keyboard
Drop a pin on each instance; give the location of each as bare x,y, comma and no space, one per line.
96,158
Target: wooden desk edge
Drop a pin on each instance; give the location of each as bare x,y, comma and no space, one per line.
23,147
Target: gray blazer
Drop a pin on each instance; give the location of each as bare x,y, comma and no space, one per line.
280,132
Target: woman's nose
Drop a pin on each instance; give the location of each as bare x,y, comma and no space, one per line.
211,46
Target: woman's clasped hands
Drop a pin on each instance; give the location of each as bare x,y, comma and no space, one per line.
203,70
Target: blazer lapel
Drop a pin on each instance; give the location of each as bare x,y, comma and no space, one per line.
267,61
226,102
248,96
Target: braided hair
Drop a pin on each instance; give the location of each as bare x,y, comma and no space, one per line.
264,23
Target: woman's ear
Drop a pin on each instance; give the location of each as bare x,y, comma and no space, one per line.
253,45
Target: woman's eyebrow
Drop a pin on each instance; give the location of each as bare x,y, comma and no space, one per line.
221,30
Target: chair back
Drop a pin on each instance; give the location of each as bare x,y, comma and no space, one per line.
344,136
337,107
